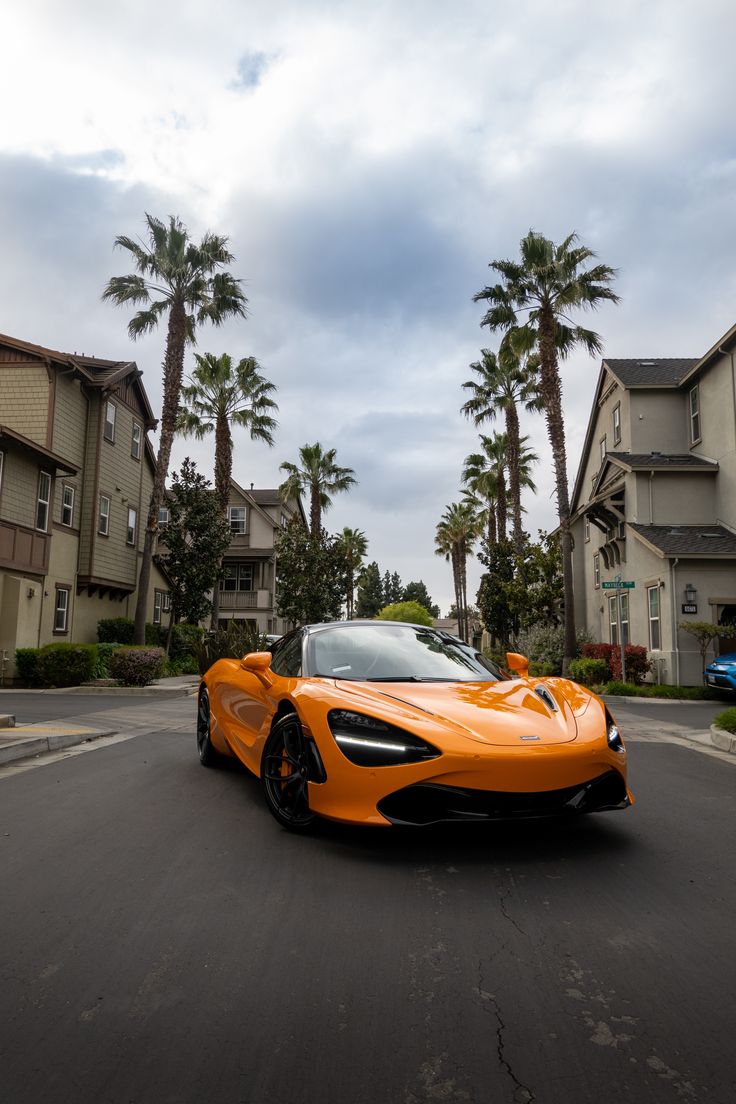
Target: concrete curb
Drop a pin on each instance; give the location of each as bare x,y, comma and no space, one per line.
658,701
32,740
724,741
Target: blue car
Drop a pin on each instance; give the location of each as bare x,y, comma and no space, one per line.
722,671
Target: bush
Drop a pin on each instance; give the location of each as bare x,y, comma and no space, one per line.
541,670
185,665
185,639
621,689
726,720
104,654
67,664
544,643
602,652
26,665
588,671
231,643
115,630
638,663
137,666
412,612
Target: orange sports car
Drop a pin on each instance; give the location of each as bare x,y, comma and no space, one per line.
376,722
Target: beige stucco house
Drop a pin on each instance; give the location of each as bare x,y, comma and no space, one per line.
654,503
76,472
247,591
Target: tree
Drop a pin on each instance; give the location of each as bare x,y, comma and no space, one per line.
417,592
456,532
354,545
496,610
504,382
370,592
514,600
411,612
195,523
176,278
534,300
218,395
311,570
705,633
319,477
393,589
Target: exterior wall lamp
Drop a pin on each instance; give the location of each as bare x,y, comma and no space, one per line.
691,593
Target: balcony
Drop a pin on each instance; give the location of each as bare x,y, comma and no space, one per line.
246,599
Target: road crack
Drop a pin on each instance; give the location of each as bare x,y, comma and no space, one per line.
489,1002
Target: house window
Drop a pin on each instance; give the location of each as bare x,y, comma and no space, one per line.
103,516
586,527
603,448
135,444
109,432
67,506
44,496
596,571
694,415
613,618
237,577
653,608
158,599
625,617
236,517
166,606
617,424
61,611
622,529
132,525
163,517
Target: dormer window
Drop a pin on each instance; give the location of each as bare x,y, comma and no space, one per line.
694,415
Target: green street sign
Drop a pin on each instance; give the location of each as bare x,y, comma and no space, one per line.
624,584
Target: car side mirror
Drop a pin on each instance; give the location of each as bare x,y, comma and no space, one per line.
517,663
258,663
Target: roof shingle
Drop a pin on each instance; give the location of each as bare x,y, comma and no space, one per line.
689,540
652,371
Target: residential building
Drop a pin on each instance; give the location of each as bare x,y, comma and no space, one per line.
247,589
76,473
654,504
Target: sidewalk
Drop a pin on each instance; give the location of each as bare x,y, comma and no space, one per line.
24,741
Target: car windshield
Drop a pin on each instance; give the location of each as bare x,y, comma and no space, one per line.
385,652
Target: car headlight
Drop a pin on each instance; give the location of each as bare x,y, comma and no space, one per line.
368,742
612,734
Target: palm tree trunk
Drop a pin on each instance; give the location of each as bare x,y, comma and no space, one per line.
501,505
512,437
223,475
492,533
173,372
315,513
552,395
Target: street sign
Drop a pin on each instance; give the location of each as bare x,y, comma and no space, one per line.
624,584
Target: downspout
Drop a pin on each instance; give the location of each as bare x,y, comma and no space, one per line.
673,565
651,497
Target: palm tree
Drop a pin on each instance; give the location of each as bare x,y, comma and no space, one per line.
320,477
217,395
355,546
456,531
504,381
181,280
534,300
485,475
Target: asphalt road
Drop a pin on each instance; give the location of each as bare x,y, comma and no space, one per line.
163,940
39,706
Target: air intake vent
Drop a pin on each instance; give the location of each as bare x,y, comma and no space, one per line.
544,694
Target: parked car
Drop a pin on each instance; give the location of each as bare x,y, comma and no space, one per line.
722,672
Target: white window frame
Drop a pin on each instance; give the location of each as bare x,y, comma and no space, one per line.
136,441
103,516
2,459
616,420
44,477
657,620
604,448
231,517
613,618
163,517
597,570
157,606
132,530
166,603
110,409
67,506
624,610
694,400
63,609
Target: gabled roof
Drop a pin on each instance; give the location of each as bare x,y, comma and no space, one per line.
93,371
701,541
43,454
651,371
715,351
661,461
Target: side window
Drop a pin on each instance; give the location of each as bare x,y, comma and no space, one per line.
287,656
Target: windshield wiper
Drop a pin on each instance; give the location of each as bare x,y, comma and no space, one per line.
408,678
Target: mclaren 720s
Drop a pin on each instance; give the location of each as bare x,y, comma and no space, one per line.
382,723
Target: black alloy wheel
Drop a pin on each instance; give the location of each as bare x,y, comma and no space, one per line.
208,757
285,775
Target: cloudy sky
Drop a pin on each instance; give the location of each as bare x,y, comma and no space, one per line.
367,161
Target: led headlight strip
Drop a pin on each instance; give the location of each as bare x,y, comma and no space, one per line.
369,742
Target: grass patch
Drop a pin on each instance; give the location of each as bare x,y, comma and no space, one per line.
726,720
671,693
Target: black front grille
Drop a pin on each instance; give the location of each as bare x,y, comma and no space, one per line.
719,680
429,803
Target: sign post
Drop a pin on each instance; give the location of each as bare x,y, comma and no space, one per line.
620,585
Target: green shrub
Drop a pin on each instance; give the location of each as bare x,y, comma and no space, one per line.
411,612
184,665
726,720
26,665
67,664
156,635
590,672
541,670
115,630
185,639
137,666
544,643
104,654
231,643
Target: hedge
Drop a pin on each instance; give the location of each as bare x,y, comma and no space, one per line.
137,666
589,671
26,665
638,663
66,664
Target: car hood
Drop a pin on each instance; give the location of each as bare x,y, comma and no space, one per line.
729,657
498,713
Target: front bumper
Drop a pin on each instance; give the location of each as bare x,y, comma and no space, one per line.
724,680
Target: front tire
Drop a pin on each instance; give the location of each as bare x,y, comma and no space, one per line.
285,775
208,757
